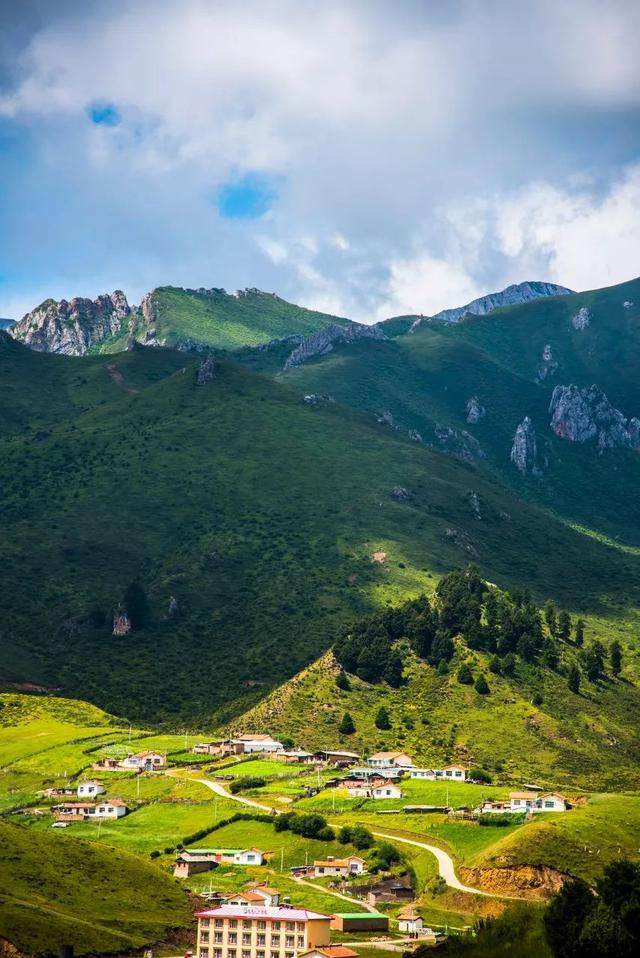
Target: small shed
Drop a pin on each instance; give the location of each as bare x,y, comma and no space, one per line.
359,921
410,921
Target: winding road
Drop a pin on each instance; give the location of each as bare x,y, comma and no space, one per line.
446,868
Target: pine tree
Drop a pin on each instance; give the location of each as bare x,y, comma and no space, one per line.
465,676
579,633
564,626
342,681
382,720
615,657
495,665
594,661
550,615
347,726
481,685
574,679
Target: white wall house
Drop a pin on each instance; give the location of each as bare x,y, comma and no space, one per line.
144,761
339,867
525,802
90,789
258,743
428,773
110,808
453,773
359,789
386,790
390,759
409,921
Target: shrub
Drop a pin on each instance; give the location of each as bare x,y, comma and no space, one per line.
480,775
347,725
465,675
481,685
243,784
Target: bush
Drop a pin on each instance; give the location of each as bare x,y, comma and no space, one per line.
481,685
243,784
347,725
501,818
382,720
342,681
480,775
309,825
361,838
465,675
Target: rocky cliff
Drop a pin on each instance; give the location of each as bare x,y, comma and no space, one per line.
524,451
322,341
583,414
511,296
71,328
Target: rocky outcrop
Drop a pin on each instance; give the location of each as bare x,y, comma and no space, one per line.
475,411
548,365
513,295
71,328
580,415
474,502
461,540
206,371
627,305
317,399
400,494
581,319
524,451
121,623
459,443
323,340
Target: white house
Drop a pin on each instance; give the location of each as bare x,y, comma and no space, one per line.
90,789
258,743
360,789
386,789
453,773
339,867
110,808
527,802
535,802
387,759
428,773
409,921
269,895
82,811
144,761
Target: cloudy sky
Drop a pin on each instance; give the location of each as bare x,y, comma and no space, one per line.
366,157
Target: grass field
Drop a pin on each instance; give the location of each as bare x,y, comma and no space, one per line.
55,890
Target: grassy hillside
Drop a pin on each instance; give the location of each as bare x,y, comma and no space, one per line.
426,378
56,890
271,522
587,740
221,320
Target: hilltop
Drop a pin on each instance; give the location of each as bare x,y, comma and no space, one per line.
167,316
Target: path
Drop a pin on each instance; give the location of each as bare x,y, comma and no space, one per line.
336,894
446,868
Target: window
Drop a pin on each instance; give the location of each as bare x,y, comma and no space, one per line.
246,954
233,923
217,937
262,924
204,922
204,936
300,926
458,774
275,954
516,801
291,925
246,938
275,940
548,804
246,924
289,941
300,941
217,953
259,954
218,923
262,940
233,938
275,924
231,953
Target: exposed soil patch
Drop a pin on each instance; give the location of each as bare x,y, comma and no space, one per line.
525,881
118,378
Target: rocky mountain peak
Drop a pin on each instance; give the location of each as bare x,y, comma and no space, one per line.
524,451
513,295
71,328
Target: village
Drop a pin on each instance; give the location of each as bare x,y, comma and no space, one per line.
258,921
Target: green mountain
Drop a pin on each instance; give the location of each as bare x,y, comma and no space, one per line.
269,520
465,387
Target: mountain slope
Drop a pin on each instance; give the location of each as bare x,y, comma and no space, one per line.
269,520
47,900
466,387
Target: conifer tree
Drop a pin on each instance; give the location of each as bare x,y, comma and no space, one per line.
347,726
382,720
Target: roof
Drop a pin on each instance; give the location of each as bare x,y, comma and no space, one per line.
552,795
248,896
267,889
75,805
256,738
408,913
265,912
387,754
145,754
90,781
531,795
335,751
333,951
222,851
384,783
461,767
113,801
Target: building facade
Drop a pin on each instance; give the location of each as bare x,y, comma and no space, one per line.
236,931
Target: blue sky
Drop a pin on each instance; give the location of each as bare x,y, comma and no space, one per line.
365,157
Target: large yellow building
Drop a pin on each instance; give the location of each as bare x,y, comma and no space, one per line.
241,931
